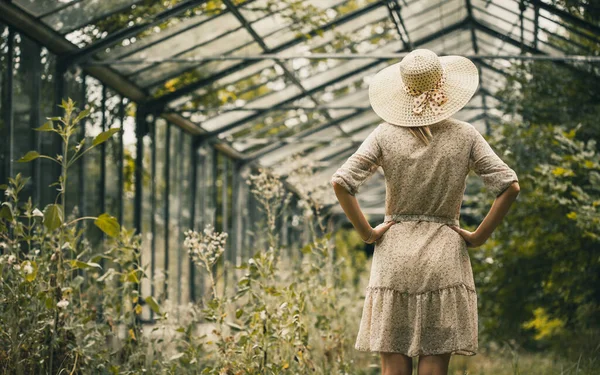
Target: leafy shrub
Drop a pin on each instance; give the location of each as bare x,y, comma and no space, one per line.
58,306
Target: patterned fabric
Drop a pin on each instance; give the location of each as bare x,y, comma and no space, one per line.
435,97
421,297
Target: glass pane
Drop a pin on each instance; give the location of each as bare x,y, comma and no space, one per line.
424,18
113,150
129,156
93,158
188,43
40,7
183,261
83,12
290,149
160,181
243,80
168,76
155,36
267,101
146,229
174,212
25,71
285,26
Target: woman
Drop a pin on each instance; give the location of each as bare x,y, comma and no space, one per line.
421,298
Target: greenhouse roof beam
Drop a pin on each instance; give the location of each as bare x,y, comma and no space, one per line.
290,75
559,59
424,40
161,101
488,30
567,16
277,145
521,17
395,14
350,56
471,27
86,53
38,31
57,44
321,107
536,24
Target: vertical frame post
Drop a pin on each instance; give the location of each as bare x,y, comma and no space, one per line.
167,171
7,113
193,187
152,209
35,121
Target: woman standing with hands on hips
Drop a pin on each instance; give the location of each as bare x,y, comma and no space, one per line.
421,298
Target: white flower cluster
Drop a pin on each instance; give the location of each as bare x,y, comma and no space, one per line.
301,174
63,303
268,184
206,247
27,268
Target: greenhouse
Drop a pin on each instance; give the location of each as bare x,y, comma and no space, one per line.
166,171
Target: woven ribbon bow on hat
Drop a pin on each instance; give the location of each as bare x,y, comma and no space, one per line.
436,97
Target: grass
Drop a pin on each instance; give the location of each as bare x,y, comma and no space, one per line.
505,362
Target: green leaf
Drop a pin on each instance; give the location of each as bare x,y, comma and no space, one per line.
31,155
50,304
47,127
6,211
306,249
236,327
81,115
30,276
176,356
111,271
77,281
79,264
104,136
132,277
108,224
152,303
53,216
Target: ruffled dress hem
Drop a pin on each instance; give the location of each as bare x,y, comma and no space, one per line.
433,322
464,352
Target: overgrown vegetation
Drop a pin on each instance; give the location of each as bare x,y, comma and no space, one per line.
59,307
539,279
69,308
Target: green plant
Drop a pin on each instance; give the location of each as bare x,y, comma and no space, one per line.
57,304
282,314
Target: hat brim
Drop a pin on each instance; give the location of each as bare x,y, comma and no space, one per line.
394,105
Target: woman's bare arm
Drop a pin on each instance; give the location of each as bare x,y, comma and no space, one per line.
350,206
494,217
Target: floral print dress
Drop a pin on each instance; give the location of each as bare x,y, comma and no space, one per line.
421,297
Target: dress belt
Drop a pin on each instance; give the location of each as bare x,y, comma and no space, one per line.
419,217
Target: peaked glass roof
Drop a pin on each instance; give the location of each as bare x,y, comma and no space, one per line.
270,108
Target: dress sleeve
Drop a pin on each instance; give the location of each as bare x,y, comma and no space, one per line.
497,176
361,165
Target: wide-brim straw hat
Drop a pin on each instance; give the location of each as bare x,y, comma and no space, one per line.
423,88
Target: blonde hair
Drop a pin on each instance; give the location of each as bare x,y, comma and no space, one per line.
421,132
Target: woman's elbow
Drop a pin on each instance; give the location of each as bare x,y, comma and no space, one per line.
515,187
